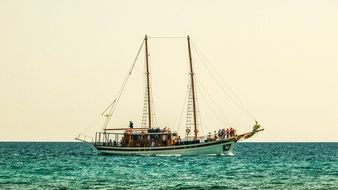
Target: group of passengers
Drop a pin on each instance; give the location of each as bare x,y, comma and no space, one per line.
224,133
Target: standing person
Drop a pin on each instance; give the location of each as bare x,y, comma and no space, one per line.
215,135
223,133
227,133
231,132
219,133
131,125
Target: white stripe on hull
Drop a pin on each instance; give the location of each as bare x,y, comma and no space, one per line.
219,148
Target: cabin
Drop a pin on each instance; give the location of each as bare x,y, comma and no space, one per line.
137,137
140,137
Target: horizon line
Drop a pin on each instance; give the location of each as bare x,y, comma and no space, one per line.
73,141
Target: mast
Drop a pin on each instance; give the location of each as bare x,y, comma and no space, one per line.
193,89
148,82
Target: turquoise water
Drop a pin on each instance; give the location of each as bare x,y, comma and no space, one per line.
256,166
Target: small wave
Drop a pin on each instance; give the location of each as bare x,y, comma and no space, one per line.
221,154
167,155
209,154
228,154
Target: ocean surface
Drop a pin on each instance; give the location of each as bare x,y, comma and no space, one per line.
70,165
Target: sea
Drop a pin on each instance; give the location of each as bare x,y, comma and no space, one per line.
73,165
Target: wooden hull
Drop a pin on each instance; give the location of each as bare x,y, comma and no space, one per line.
208,148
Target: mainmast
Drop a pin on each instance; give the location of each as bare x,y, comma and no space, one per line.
148,82
193,89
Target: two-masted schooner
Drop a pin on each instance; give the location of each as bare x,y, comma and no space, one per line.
152,140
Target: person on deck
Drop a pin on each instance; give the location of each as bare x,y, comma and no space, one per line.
231,132
179,140
131,125
219,133
215,135
227,133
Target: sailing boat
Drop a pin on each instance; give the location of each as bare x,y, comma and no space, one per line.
151,140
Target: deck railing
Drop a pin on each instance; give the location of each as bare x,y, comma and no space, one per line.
85,138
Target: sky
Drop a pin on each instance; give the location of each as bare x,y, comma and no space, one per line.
62,62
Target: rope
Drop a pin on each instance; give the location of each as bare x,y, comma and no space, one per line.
198,111
232,94
152,104
166,37
152,101
153,116
185,101
108,107
224,119
91,125
113,105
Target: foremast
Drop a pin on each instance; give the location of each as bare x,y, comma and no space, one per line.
148,82
193,90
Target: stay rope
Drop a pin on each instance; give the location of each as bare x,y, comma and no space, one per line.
206,96
113,105
229,92
183,107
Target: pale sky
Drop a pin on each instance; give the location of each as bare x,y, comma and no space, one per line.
62,62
